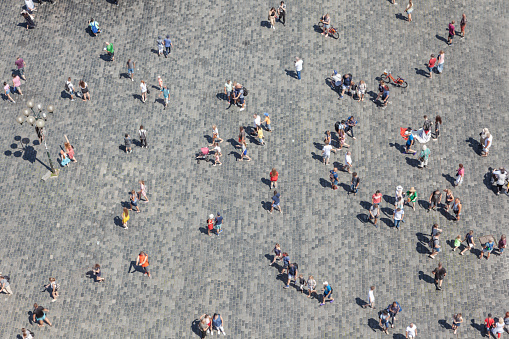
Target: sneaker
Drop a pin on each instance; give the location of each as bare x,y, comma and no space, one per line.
132,79
462,253
322,304
126,227
73,99
341,97
53,300
331,301
220,231
269,212
243,108
287,286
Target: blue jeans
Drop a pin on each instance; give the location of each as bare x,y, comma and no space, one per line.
298,75
354,190
440,67
396,223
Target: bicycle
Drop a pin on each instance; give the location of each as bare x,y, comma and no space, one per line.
332,31
387,77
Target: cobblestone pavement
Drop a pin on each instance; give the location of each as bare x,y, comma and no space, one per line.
63,227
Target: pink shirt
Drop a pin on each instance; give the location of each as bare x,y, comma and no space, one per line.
16,81
451,29
461,171
7,88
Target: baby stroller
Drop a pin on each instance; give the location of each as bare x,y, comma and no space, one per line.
204,154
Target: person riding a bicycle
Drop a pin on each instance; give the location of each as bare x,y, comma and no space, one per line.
326,24
336,79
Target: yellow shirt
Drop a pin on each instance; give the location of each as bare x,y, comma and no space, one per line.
260,133
125,218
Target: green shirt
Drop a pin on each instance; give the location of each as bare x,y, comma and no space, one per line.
109,48
425,154
412,196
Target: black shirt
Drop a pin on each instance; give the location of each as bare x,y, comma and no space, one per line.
39,313
439,273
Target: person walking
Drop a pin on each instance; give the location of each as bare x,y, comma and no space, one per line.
143,87
274,175
393,310
487,248
350,124
143,136
134,202
456,208
327,293
130,68
469,239
431,65
499,178
244,152
70,88
298,66
486,141
411,196
241,137
498,329
385,97
371,298
69,150
26,334
218,224
127,143
125,217
272,18
166,95
355,184
452,32
20,64
277,253
438,124
384,321
311,283
210,224
275,202
424,156
440,60
457,319
228,89
459,175
326,153
293,270
7,91
160,82
434,200
217,324
374,214
109,49
53,288
267,122
411,331
160,45
435,244
361,91
143,191
333,176
449,199
84,90
463,24
281,11
5,286
440,274
16,84
39,315
397,216
239,96
409,9
502,243
376,198
489,324
457,243
142,260
348,162
167,46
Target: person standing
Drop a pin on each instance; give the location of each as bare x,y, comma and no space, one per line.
228,88
327,293
376,198
275,202
333,177
281,11
292,274
438,123
393,310
410,141
26,334
20,64
125,217
355,183
424,156
7,91
274,175
397,216
267,122
411,196
109,49
463,24
143,191
502,243
409,9
127,143
217,324
298,66
449,199
411,331
205,325
143,136
371,298
160,82
486,141
39,315
166,95
130,68
440,274
348,162
452,32
242,136
487,248
456,208
143,87
440,60
350,124
53,286
218,224
239,96
459,175
84,90
134,202
142,260
457,319
160,45
469,239
16,84
499,177
434,200
431,65
272,18
311,283
5,286
244,152
326,153
374,214
70,88
499,328
384,321
167,46
385,96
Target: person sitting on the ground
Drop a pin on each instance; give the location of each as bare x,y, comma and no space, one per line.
94,27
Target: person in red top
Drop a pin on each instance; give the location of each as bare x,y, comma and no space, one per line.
431,65
489,323
142,260
451,33
273,178
376,198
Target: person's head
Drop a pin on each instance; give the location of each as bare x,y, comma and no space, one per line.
277,245
335,169
452,22
354,174
502,237
218,214
255,115
439,265
425,117
285,254
82,83
470,232
348,153
62,153
215,316
460,165
126,211
457,200
489,315
325,284
167,36
273,172
5,83
441,52
424,147
506,313
52,279
500,320
438,119
394,304
272,9
133,192
326,143
211,216
35,305
362,82
275,192
458,316
24,333
458,237
129,60
214,126
142,253
142,182
398,209
92,20
127,135
372,288
143,82
377,192
385,313
282,3
311,277
435,225
241,128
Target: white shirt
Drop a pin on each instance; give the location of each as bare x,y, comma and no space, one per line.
326,150
411,331
257,121
501,176
70,85
337,79
490,139
398,215
371,296
298,65
348,159
30,4
216,132
143,87
217,149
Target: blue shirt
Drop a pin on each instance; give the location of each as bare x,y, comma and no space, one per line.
167,42
219,220
276,199
217,321
327,290
166,92
334,174
410,139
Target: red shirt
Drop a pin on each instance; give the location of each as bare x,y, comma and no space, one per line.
274,178
451,29
376,198
431,62
489,322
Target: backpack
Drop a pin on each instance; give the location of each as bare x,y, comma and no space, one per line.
400,309
246,92
142,135
336,126
66,88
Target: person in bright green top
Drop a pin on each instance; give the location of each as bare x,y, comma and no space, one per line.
111,52
457,242
411,197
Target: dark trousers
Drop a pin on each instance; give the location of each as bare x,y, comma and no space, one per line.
282,17
143,142
167,50
349,129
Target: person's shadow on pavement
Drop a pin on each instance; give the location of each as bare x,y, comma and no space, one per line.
135,267
291,73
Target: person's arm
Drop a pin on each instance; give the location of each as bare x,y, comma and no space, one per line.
420,155
138,261
459,211
33,317
440,198
407,334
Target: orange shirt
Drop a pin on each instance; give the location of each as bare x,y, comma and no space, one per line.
141,258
